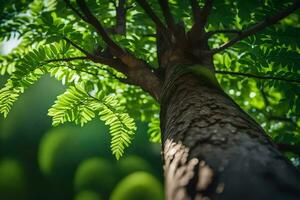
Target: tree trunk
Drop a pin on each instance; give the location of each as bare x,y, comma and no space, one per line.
214,150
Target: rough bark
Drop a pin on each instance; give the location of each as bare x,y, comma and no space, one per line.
214,150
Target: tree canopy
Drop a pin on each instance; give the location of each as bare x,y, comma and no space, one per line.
103,49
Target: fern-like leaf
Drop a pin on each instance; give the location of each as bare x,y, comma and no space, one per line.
121,125
72,106
8,95
10,92
27,71
76,105
154,132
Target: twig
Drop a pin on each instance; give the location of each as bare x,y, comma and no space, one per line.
78,47
129,7
150,35
264,96
257,76
92,20
114,63
167,14
288,147
80,70
259,26
74,10
67,59
123,80
210,33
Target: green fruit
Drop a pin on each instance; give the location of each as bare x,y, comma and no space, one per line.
130,164
138,186
87,195
95,174
12,180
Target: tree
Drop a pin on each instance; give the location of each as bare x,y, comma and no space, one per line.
133,59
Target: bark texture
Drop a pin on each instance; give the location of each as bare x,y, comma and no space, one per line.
214,150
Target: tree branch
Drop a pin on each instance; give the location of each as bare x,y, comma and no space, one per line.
138,74
92,20
123,80
160,26
257,76
210,33
167,14
196,10
264,96
99,59
269,21
121,9
137,70
67,59
67,2
205,11
121,17
125,57
88,54
200,18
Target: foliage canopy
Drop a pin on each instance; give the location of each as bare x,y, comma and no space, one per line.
261,71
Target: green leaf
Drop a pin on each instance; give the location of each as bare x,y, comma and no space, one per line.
154,132
77,106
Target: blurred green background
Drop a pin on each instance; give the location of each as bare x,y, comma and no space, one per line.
38,161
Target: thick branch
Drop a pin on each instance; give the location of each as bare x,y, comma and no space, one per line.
125,57
91,19
200,17
121,17
137,71
120,27
260,26
258,76
196,11
167,14
205,11
160,26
